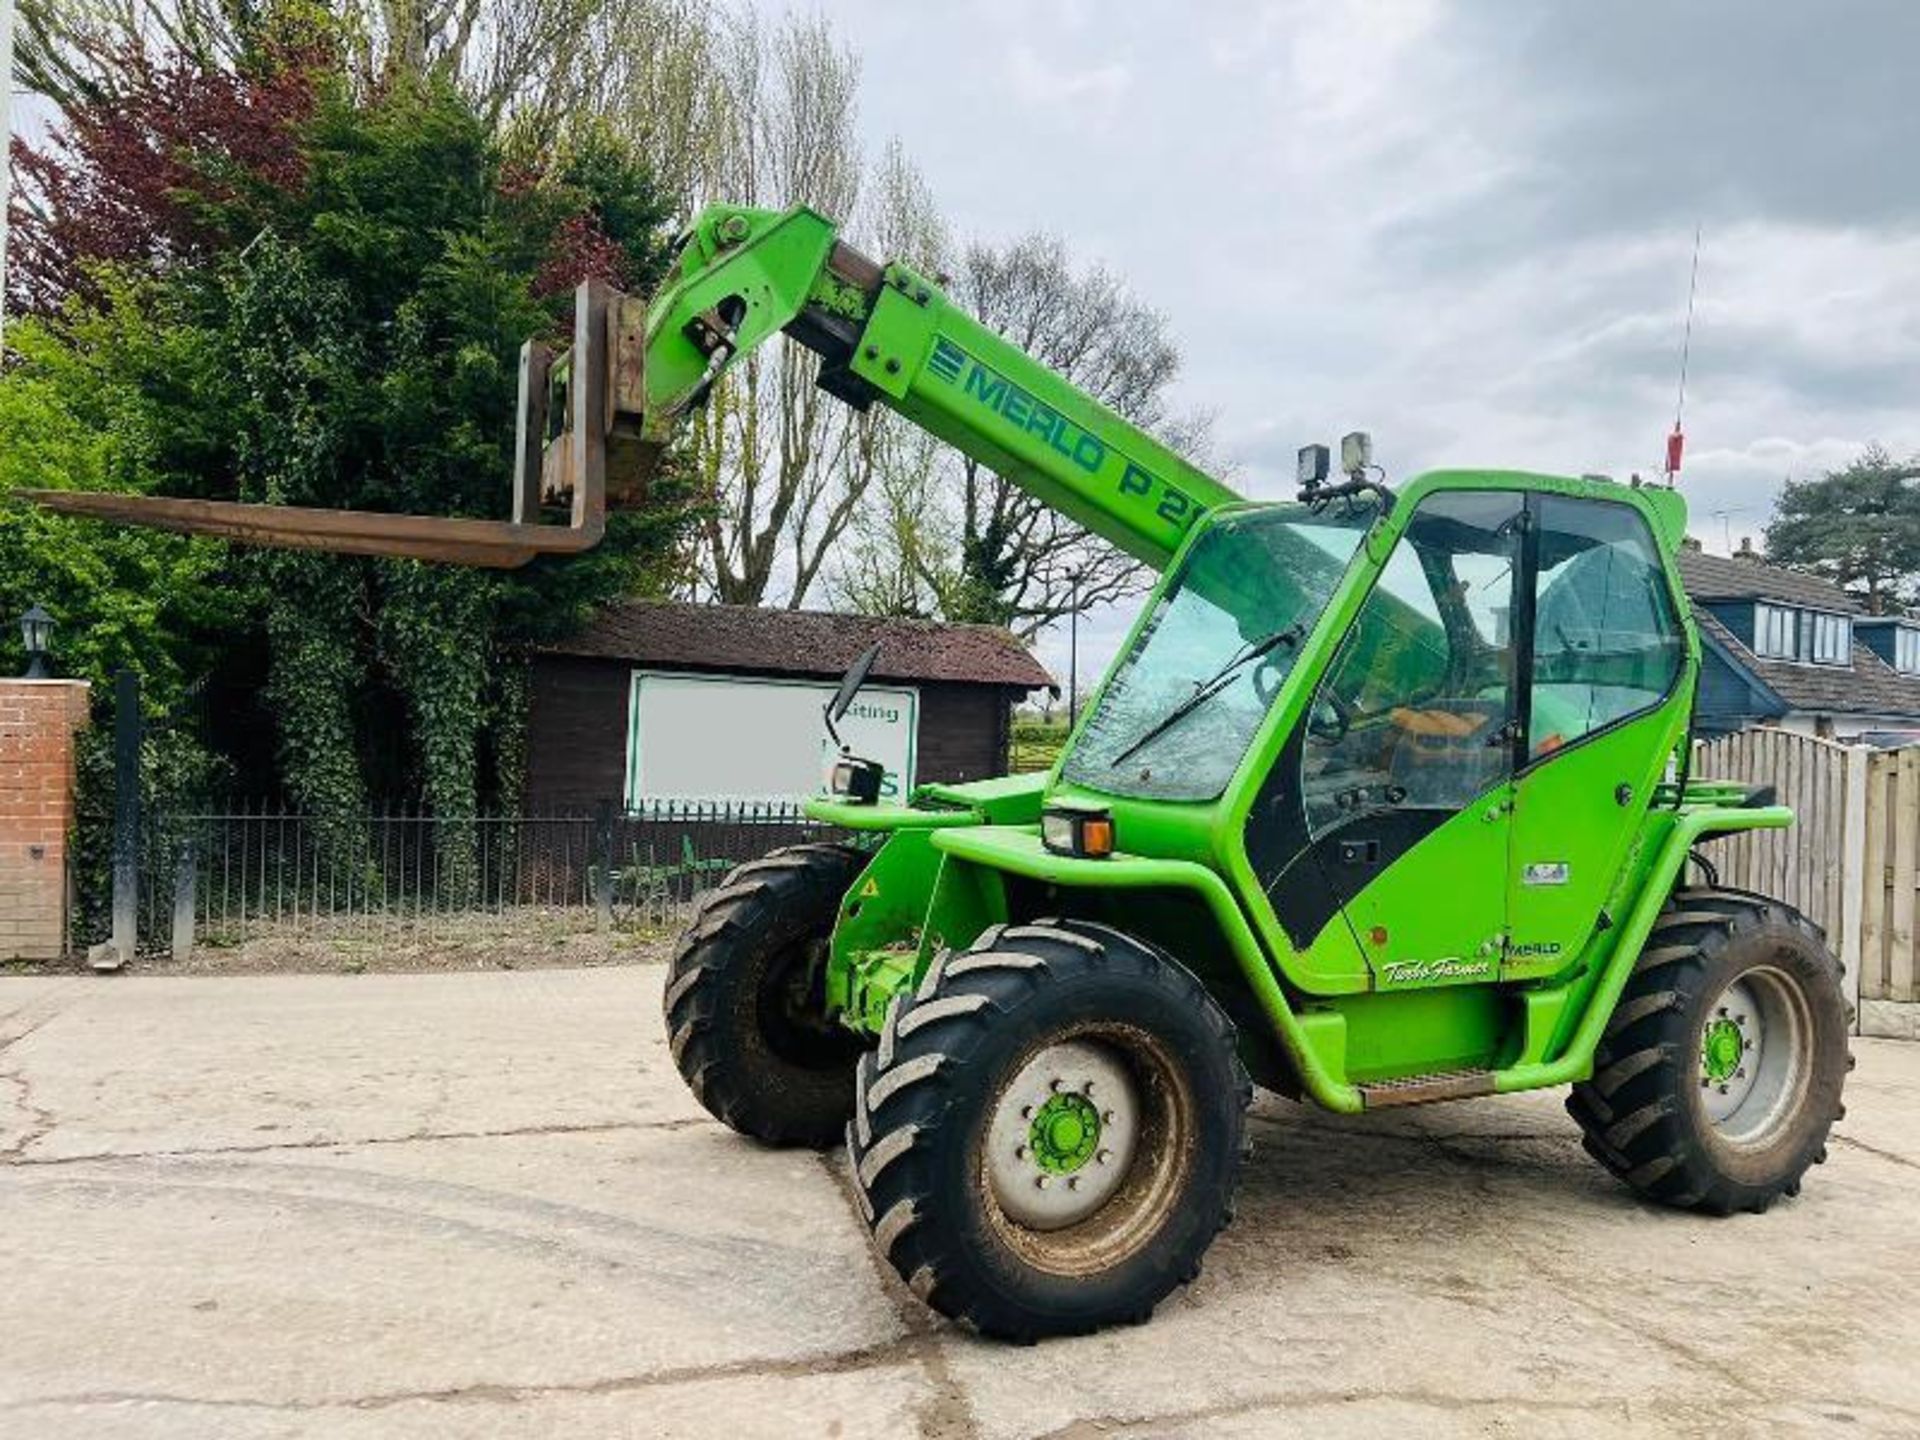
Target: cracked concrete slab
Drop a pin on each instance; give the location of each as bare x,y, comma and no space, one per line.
433,1267
880,1400
153,1064
478,1205
1471,1262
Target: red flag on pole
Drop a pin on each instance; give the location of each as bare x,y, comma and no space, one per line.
1676,442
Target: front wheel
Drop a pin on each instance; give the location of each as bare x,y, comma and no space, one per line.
745,999
1047,1139
1721,1069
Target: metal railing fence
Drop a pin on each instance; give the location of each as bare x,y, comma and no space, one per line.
254,872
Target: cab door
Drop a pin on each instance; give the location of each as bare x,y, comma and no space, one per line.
1407,754
1604,660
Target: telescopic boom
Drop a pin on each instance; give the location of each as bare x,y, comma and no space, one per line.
594,418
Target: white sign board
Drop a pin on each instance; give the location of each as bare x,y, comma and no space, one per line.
725,737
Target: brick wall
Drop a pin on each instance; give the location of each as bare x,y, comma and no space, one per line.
38,719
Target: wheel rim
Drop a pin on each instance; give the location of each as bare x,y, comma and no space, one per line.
1753,1062
1086,1149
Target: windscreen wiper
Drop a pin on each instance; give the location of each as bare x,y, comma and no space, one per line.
1211,687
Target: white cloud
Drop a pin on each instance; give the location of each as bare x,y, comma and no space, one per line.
1079,97
1464,226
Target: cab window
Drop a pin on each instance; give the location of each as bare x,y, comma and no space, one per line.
1606,643
1417,711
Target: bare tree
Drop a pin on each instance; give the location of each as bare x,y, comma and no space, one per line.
892,545
544,60
944,535
74,51
787,465
539,61
659,76
1019,561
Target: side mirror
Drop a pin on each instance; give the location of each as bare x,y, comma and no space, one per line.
850,684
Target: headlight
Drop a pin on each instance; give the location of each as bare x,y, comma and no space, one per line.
857,781
1077,830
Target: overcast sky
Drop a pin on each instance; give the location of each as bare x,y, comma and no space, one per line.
1462,224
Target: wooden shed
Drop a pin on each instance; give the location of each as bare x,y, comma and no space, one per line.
670,701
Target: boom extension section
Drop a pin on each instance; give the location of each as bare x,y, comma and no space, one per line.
594,418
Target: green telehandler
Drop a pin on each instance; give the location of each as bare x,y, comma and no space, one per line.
1386,800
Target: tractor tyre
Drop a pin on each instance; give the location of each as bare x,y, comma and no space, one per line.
746,1017
1721,1068
1047,1138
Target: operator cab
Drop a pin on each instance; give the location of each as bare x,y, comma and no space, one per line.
1501,656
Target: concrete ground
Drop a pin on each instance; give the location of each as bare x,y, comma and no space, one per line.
477,1205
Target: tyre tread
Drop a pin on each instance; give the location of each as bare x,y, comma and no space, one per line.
904,1094
805,879
1634,1113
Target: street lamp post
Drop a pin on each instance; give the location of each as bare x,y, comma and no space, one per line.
36,633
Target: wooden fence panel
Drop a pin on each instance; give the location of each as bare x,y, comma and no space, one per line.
1851,863
1801,865
1873,918
1906,860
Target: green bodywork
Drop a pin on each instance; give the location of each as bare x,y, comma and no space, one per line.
1455,959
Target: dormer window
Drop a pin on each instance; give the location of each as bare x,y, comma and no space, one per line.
1828,638
1814,637
1773,632
1906,649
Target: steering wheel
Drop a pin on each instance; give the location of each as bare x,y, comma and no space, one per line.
1329,718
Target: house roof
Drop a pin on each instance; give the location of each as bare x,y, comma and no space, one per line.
1869,686
1725,577
745,638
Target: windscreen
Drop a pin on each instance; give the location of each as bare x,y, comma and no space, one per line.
1183,703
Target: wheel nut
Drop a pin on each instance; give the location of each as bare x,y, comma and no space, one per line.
1073,1183
1723,1089
1104,1157
1020,1152
1088,1087
1741,1073
1043,1181
1026,1112
1106,1117
1056,1085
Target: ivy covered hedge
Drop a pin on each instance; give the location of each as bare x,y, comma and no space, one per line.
264,285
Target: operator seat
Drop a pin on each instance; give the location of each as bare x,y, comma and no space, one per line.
1446,751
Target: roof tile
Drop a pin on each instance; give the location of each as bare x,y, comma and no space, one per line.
802,642
1722,577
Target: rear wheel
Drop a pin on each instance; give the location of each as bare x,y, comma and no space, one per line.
1047,1138
746,1016
1721,1070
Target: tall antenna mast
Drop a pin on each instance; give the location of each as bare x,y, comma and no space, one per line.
1677,441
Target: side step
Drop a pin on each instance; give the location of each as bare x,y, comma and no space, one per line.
1425,1089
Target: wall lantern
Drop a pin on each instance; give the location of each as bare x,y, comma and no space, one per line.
36,632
